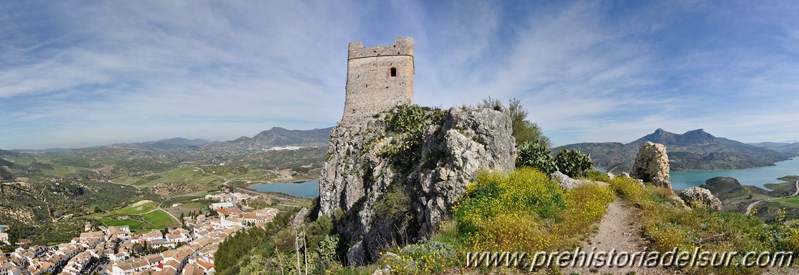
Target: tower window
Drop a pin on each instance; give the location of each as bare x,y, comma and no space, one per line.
393,72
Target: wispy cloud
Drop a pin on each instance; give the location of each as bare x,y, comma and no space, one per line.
74,75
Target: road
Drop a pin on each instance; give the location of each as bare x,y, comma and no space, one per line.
754,203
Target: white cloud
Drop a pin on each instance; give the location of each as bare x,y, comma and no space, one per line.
156,69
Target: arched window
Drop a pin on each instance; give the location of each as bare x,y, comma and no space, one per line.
393,72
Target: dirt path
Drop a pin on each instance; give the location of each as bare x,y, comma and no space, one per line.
752,205
619,230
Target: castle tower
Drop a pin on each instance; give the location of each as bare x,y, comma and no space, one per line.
378,78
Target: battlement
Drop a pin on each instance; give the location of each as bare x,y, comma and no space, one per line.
402,46
378,78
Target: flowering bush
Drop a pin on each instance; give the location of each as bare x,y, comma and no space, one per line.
526,211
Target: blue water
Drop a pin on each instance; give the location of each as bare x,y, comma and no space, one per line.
308,189
751,176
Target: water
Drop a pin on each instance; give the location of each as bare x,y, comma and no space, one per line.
751,176
308,189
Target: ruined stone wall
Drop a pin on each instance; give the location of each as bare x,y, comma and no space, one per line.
371,88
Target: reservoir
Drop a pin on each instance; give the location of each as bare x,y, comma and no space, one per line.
679,180
750,176
307,189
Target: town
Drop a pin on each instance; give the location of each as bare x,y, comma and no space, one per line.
116,250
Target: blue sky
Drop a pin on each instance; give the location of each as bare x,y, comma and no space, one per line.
74,73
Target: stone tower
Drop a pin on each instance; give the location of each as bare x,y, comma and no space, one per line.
378,78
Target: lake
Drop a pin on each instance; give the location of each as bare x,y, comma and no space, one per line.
308,189
750,176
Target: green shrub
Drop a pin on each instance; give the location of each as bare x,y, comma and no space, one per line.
573,163
628,188
407,125
503,209
525,211
536,155
597,176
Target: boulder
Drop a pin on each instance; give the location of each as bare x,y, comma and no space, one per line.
652,161
610,175
699,194
661,182
564,180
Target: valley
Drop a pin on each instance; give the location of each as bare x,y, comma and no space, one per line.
48,195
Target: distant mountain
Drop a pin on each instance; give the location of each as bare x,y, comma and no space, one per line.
280,137
272,138
172,143
788,148
7,153
694,149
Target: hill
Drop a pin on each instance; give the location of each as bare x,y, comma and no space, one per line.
171,143
279,137
788,148
694,149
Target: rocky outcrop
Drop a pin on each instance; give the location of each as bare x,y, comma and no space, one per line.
393,179
652,161
702,195
661,182
564,180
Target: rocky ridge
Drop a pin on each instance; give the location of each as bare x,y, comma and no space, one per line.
392,179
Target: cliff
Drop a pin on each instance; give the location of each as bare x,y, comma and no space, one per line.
393,179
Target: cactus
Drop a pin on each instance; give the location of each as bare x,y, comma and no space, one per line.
573,163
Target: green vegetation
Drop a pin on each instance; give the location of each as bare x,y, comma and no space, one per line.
535,155
518,211
140,216
523,129
407,124
573,163
526,211
159,219
570,162
597,176
668,225
794,200
138,208
271,249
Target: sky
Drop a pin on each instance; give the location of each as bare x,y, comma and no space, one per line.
80,73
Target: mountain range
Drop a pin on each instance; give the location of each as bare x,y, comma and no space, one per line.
277,137
694,149
790,148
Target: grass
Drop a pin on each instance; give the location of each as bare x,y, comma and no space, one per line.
134,209
143,215
60,171
667,225
158,219
794,200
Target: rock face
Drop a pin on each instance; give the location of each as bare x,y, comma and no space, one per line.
388,186
564,180
652,161
702,195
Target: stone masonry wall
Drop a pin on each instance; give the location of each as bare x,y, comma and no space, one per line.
370,87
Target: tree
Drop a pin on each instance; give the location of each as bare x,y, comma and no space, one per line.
523,129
